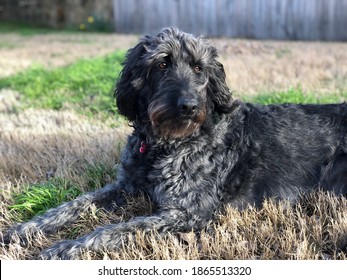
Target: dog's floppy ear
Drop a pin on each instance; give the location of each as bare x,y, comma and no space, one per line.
219,91
131,81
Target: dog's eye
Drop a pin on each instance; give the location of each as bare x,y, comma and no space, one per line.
162,65
197,69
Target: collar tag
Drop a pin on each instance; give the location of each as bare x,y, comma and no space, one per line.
143,147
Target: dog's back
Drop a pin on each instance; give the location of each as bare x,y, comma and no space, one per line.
291,149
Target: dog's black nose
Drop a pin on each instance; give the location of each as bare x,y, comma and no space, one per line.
187,106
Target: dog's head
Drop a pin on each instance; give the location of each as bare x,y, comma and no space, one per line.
172,80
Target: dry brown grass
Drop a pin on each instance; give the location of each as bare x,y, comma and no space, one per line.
36,145
255,67
315,228
51,50
252,67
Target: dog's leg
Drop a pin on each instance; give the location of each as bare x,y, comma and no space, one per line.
112,237
65,214
336,178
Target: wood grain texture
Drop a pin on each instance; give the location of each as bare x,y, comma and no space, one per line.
258,19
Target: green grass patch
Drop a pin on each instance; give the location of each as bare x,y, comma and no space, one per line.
38,198
86,85
24,29
27,29
97,176
89,24
295,95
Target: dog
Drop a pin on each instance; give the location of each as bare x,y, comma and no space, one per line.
194,149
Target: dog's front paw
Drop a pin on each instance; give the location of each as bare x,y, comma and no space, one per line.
14,237
23,234
6,239
65,250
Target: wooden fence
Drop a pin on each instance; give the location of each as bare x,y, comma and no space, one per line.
259,19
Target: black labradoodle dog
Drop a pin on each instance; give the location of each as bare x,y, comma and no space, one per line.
195,149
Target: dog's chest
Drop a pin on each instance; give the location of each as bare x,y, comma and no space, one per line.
187,177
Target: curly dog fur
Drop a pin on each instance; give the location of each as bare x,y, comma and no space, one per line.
195,149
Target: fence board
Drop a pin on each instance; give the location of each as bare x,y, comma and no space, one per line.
260,19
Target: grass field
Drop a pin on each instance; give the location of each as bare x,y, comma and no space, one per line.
60,135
